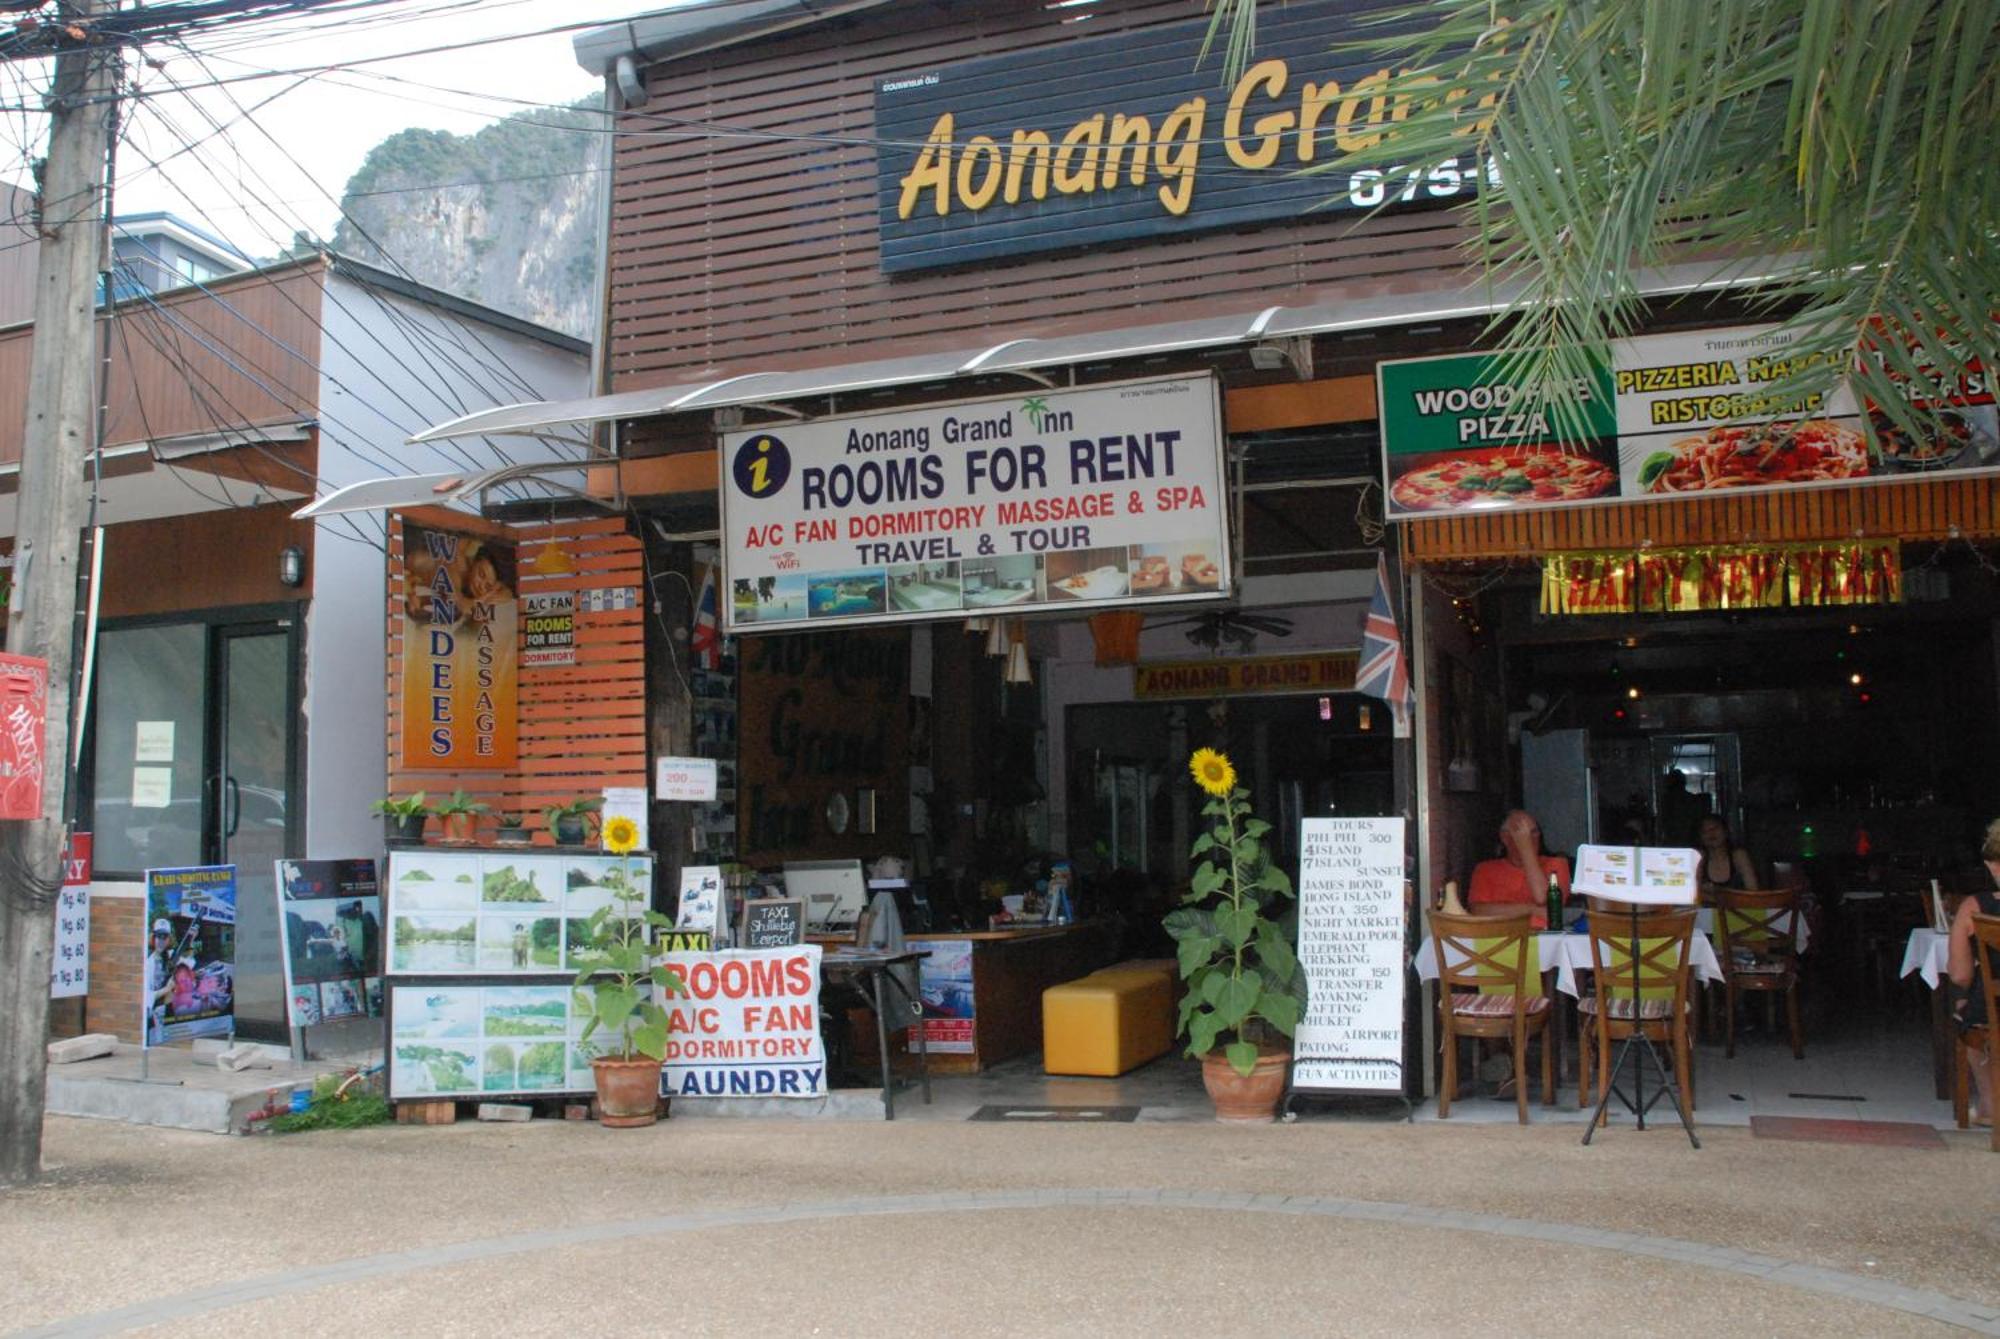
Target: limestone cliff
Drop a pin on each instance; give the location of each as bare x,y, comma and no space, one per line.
507,216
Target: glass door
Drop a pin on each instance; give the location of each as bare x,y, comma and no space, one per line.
193,756
252,807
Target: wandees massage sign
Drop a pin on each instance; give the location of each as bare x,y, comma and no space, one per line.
1072,499
1690,414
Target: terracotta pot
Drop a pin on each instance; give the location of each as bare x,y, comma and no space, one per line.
458,828
628,1091
1246,1100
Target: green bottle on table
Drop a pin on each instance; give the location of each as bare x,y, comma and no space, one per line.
1555,908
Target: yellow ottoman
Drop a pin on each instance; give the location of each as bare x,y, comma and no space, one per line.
1107,1023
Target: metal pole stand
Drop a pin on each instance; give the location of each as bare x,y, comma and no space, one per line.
1637,1041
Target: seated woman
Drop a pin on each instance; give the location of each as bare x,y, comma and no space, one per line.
1962,966
1724,864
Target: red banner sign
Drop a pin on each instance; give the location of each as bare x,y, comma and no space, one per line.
24,715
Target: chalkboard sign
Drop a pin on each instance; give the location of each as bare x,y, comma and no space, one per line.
774,922
1351,946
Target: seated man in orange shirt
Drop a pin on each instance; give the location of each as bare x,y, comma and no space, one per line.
1520,875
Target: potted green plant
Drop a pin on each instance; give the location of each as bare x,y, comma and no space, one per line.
569,824
403,819
617,969
457,814
1234,929
512,830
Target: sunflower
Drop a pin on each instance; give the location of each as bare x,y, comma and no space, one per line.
1213,772
621,834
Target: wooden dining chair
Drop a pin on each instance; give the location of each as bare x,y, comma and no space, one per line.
1488,987
1763,926
1986,957
1660,973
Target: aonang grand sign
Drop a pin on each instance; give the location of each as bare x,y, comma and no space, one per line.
1135,135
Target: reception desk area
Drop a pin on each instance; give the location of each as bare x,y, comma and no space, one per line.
996,1014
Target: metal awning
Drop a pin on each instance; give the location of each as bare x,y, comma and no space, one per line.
442,490
1030,355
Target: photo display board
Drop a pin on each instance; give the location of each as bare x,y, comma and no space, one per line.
477,1040
332,914
1351,948
1062,499
1666,418
498,913
190,948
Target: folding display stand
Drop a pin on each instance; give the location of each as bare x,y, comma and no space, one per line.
1637,1040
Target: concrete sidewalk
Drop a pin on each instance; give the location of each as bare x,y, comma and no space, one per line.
706,1227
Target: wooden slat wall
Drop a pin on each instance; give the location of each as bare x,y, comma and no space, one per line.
583,726
742,254
1924,509
249,354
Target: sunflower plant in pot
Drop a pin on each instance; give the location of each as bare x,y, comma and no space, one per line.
1234,929
619,989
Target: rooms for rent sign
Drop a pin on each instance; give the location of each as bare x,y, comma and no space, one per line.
744,1024
1106,495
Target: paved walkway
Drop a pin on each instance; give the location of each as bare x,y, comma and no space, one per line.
724,1227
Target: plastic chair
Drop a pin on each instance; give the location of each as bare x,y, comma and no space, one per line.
1484,968
1763,925
1660,975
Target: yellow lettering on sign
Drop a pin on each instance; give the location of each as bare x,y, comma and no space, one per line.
1026,144
977,197
931,172
1269,76
1135,131
1085,136
1344,135
1178,152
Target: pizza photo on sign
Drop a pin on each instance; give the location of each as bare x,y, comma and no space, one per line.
1813,450
1502,476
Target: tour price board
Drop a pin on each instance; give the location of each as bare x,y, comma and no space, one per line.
1351,949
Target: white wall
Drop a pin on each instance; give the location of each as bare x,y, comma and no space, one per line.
1326,609
389,367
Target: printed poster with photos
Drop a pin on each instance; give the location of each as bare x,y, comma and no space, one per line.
468,1041
190,966
332,947
1071,499
466,913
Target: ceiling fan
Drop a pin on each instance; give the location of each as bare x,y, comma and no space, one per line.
1233,629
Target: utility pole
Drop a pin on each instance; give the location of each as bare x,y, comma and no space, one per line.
54,499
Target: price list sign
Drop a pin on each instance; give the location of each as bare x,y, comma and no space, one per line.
69,968
1351,947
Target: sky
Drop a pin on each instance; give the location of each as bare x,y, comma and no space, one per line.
255,180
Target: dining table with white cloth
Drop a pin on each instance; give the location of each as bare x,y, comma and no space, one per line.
1567,952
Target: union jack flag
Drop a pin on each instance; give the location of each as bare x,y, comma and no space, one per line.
705,641
1385,670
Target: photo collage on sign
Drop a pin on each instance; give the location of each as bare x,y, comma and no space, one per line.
470,1040
332,912
525,912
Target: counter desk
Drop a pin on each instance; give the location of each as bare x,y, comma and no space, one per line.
1009,969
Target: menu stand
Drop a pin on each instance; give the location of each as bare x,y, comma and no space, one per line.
1637,1040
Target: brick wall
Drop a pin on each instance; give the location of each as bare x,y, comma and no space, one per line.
116,929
